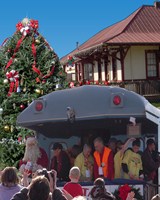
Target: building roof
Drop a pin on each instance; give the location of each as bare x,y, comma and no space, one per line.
141,27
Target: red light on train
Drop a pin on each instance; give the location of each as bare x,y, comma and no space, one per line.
117,100
39,106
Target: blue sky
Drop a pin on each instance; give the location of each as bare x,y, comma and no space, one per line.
63,23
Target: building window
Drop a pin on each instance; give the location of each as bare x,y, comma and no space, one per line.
151,63
88,71
71,77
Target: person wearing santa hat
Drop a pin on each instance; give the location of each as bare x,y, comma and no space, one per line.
34,157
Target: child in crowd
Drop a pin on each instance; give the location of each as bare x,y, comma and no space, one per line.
9,183
73,187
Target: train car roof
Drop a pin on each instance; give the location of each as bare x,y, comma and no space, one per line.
82,108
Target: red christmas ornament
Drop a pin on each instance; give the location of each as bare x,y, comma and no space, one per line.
43,81
106,83
20,138
71,85
22,106
87,82
97,82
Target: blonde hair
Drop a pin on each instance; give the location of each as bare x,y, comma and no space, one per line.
74,172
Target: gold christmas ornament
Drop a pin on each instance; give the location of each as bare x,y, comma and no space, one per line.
37,41
6,128
41,92
5,81
38,91
24,89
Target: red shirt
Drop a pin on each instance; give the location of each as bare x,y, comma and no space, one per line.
74,189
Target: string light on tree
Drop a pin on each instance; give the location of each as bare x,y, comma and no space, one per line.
24,89
18,89
1,111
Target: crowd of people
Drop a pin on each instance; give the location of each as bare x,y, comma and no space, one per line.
116,160
37,177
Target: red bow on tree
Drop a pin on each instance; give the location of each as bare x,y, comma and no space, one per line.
19,26
34,23
13,78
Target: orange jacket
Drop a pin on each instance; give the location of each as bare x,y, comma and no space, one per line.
104,160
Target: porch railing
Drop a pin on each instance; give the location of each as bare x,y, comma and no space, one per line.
149,89
141,87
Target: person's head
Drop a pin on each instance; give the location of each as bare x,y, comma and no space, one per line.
98,144
151,144
76,149
136,145
39,188
74,173
99,191
57,148
87,149
99,182
112,144
9,177
119,145
98,188
50,175
32,152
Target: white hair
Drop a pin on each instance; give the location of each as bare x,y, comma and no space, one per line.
32,152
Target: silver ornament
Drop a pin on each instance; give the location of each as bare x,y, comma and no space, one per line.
5,81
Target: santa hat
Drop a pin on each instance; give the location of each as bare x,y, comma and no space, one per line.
31,140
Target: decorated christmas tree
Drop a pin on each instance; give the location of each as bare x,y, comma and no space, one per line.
29,69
